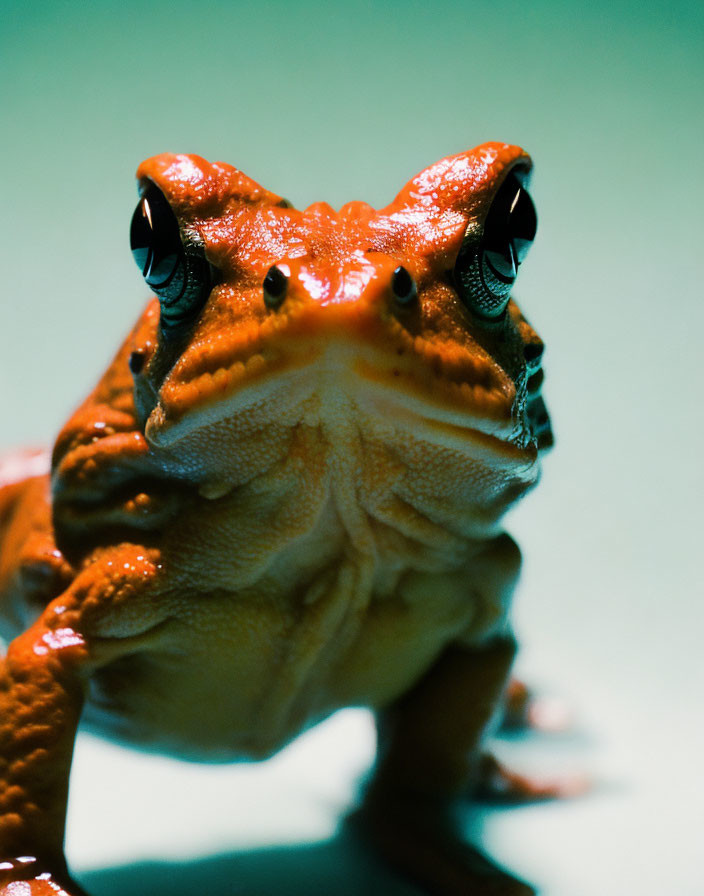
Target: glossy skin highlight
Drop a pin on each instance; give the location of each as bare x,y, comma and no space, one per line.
278,509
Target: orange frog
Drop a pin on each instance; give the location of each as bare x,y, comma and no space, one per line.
284,497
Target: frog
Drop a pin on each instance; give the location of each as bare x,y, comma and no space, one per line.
284,497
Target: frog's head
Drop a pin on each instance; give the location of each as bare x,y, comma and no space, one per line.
270,318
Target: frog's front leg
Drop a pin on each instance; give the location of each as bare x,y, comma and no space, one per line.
40,704
429,752
42,684
428,759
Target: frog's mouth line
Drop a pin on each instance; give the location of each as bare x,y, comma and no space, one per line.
411,390
377,344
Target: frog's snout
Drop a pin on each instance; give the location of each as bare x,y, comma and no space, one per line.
370,283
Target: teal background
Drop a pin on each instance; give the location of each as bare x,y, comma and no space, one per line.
321,101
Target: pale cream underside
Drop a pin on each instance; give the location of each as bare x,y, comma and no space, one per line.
342,541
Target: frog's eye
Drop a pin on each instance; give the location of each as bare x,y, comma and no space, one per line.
486,268
173,265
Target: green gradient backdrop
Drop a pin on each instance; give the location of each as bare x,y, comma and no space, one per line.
336,103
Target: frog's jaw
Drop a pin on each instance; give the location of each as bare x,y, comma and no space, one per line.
396,469
293,364
309,385
347,416
428,355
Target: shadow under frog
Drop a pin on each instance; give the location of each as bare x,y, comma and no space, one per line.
315,869
340,865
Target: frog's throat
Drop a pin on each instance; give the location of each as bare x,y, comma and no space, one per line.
369,446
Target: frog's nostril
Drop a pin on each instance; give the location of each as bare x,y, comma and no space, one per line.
136,362
275,287
533,352
403,286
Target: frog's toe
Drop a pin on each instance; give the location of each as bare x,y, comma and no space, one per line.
498,784
524,710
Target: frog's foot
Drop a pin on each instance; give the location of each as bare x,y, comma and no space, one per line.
495,783
28,876
419,840
523,710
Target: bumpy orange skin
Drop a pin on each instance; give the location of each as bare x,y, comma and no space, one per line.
280,513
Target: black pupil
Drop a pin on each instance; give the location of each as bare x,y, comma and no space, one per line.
402,284
155,238
509,229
